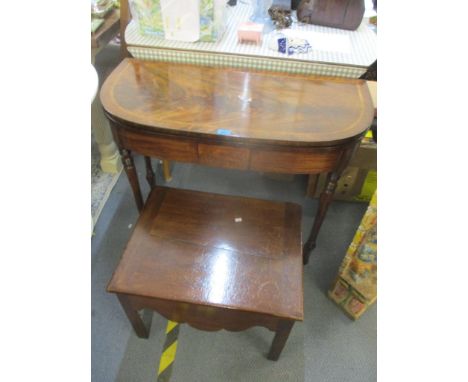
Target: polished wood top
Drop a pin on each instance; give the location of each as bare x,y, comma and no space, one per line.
187,246
237,104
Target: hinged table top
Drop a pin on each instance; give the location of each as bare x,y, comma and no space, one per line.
250,105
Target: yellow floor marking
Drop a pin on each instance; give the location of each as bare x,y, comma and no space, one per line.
170,325
167,357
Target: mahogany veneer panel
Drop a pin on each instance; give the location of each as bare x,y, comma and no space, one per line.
259,106
224,156
310,162
168,148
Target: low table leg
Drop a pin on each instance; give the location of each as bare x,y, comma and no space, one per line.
133,316
281,336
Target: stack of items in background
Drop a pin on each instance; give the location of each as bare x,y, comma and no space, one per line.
99,10
305,48
355,287
205,20
180,20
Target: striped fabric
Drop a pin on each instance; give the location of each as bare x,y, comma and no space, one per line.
227,52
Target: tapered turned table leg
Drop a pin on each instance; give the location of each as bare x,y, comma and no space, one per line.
326,197
281,336
129,167
133,316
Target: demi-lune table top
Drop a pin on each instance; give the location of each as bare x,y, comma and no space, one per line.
241,104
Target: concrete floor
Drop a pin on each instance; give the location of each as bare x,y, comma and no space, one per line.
327,346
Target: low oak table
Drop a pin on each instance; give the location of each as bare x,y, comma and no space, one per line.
216,261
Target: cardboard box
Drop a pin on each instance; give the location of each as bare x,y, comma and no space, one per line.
358,181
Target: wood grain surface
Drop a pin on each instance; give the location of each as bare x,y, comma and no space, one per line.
218,261
248,105
188,247
262,121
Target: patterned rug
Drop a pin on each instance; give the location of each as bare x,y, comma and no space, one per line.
101,183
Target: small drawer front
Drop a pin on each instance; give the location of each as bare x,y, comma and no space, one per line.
223,156
177,149
295,162
291,160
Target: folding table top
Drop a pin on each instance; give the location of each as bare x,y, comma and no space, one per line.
247,104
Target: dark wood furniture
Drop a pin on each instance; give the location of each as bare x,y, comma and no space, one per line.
230,118
185,243
214,262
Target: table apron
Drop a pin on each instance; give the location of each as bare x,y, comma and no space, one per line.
282,159
203,317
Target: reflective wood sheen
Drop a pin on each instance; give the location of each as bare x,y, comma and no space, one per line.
187,247
274,122
258,106
202,317
299,160
188,258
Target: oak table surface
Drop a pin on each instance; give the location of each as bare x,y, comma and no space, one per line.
187,246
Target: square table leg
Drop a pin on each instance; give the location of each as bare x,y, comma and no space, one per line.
133,316
281,336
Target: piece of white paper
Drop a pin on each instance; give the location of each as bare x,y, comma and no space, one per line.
181,19
327,42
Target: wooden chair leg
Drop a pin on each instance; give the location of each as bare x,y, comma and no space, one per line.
281,336
133,316
167,171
